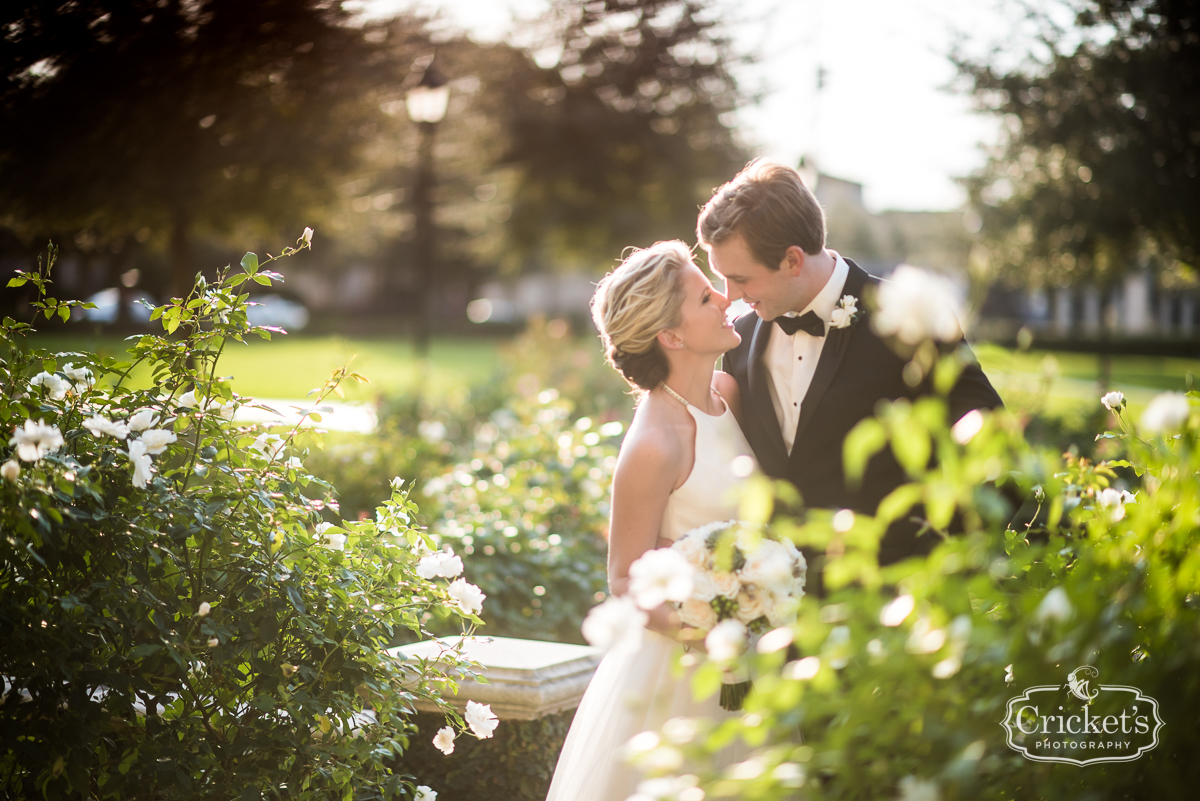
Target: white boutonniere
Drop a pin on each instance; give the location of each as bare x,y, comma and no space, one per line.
845,313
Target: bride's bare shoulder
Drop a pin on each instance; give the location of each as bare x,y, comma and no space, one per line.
657,434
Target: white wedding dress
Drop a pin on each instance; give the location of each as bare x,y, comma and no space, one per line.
639,691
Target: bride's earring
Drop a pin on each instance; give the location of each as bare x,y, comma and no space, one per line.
670,340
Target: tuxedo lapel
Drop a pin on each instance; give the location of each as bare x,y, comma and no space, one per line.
760,394
831,355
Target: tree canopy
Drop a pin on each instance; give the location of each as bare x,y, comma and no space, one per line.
179,116
1097,170
616,126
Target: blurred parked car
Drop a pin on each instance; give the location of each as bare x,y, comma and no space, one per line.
106,301
288,314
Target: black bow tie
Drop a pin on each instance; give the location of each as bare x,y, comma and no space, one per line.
808,322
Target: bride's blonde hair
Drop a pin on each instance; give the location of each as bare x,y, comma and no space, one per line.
636,301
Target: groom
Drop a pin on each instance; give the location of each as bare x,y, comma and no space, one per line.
804,383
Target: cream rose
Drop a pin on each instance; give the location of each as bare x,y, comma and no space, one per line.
698,614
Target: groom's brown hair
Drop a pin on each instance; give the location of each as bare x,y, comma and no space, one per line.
769,206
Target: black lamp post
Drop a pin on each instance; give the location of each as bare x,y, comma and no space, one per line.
426,105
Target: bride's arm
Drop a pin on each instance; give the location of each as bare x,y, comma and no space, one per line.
647,472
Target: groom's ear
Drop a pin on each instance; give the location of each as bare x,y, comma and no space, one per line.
669,339
793,260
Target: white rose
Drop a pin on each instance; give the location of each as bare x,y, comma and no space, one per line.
81,376
205,608
443,564
726,641
188,400
727,584
142,419
698,614
913,788
703,586
271,446
617,624
839,318
141,463
444,740
1113,401
57,387
468,597
102,426
768,567
660,575
156,440
1055,606
481,720
1166,413
750,605
1114,501
693,550
35,440
10,470
782,611
916,305
306,239
424,793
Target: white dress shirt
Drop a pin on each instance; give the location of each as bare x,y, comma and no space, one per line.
792,360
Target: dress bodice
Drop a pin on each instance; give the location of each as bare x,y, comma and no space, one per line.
710,492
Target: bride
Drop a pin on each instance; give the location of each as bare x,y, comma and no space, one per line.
664,326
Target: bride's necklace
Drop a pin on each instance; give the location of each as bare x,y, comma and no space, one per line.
675,395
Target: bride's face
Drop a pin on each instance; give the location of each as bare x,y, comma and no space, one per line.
704,327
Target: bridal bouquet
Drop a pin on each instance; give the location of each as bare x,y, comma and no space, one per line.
731,581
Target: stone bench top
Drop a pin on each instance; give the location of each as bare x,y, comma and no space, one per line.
527,679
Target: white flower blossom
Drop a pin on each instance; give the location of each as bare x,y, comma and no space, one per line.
440,564
444,740
101,426
660,575
913,788
617,625
468,597
81,376
188,400
424,793
897,610
156,440
843,315
1114,500
213,642
1113,400
35,440
205,608
967,427
306,237
1165,414
11,470
751,604
1055,606
142,419
334,541
481,719
698,614
916,305
726,641
57,387
769,567
271,446
294,463
141,463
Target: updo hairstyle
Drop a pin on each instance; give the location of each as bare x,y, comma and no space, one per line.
636,301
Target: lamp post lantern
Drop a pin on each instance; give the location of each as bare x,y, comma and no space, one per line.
426,105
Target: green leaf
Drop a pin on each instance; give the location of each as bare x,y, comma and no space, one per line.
17,281
250,263
863,442
910,443
263,279
144,649
64,312
235,280
898,501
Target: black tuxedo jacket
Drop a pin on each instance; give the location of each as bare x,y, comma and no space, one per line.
856,370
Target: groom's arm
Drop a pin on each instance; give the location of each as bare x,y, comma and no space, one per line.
973,389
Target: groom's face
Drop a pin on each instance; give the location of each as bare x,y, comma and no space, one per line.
769,292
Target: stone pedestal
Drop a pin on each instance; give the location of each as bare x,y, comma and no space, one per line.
527,679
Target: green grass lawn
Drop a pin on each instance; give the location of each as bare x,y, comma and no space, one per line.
288,367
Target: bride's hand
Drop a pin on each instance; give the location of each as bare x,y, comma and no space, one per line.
663,542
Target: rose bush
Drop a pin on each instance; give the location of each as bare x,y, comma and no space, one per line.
177,620
895,684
